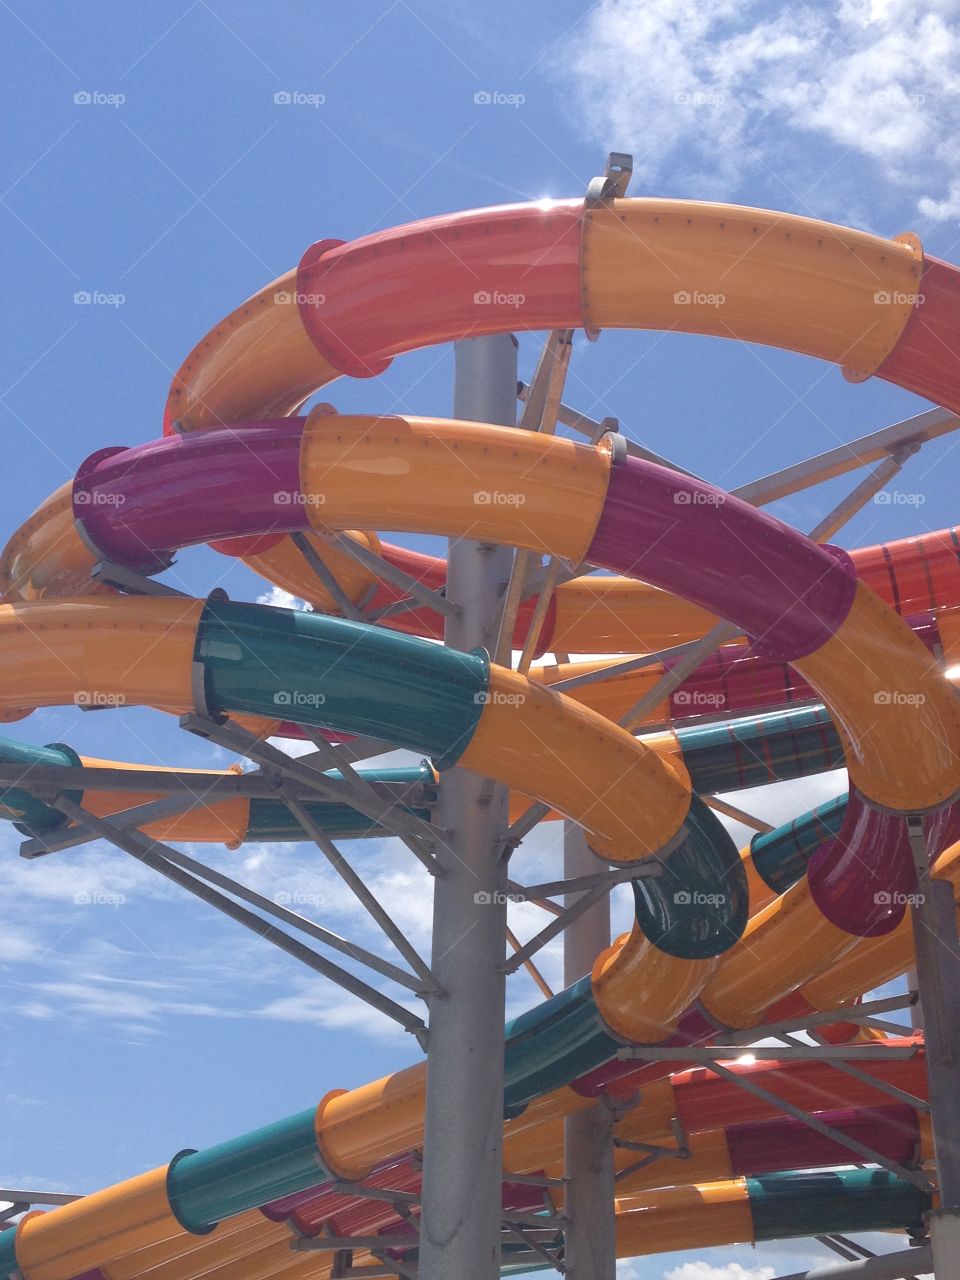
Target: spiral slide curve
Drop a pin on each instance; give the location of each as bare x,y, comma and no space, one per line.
586,504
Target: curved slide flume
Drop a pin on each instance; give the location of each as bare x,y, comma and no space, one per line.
636,517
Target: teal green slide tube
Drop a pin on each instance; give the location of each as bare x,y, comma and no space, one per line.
328,671
8,1252
205,1187
816,1204
271,820
554,1043
752,751
565,1037
31,816
781,856
701,869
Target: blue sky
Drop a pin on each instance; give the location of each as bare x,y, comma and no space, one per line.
139,1027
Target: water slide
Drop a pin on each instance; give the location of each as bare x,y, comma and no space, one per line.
828,636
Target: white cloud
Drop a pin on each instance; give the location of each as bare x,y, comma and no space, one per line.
281,599
700,1270
723,91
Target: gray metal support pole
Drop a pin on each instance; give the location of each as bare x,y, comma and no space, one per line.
938,981
463,1138
591,1242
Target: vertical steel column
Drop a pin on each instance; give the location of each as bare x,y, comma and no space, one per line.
463,1139
591,1252
934,918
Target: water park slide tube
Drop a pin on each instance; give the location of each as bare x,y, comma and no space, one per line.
870,304
122,498
741,1210
840,637
825,608
858,1200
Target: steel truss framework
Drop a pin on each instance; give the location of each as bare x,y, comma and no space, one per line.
546,1236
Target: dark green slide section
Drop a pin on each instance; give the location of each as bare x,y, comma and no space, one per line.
781,856
414,787
760,749
30,815
553,1043
345,675
816,1204
206,1186
8,1252
272,820
698,906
